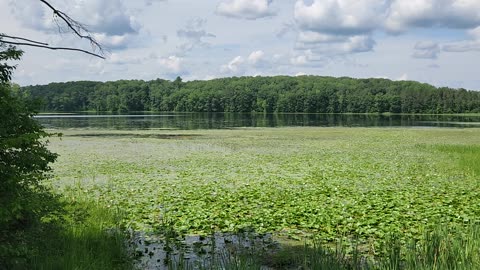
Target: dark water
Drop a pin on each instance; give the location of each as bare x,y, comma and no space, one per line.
233,120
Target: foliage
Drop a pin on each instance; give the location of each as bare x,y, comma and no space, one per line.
24,163
7,53
332,183
309,94
37,229
88,238
24,158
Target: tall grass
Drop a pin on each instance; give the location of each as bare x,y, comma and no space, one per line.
442,248
467,156
88,238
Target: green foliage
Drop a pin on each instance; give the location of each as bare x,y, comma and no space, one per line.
467,156
309,94
24,158
332,183
24,163
35,231
7,53
88,238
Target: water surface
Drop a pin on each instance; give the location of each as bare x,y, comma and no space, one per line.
235,120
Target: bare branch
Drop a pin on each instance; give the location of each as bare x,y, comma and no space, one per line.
76,27
52,48
24,39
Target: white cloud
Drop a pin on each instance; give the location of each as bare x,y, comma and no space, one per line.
338,27
109,21
299,60
256,57
340,17
173,64
309,58
311,37
114,41
193,34
460,14
246,9
105,16
32,14
122,59
234,66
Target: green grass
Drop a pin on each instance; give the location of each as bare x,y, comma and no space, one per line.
88,239
331,183
84,237
467,156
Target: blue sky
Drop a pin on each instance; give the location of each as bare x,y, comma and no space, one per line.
433,41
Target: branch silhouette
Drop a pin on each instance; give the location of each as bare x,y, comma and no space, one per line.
74,26
51,48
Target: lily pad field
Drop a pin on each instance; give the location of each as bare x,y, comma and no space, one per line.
295,182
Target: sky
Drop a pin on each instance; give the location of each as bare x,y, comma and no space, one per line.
432,41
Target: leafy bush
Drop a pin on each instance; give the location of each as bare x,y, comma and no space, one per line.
24,163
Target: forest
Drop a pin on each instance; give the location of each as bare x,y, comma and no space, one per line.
302,94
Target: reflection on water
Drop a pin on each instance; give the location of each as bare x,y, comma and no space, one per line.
233,120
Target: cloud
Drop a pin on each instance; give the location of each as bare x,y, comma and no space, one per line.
340,17
287,28
340,27
332,45
109,21
246,9
114,41
457,14
121,59
256,57
234,66
109,17
309,58
426,50
256,63
471,44
462,46
194,35
173,64
329,28
33,15
150,2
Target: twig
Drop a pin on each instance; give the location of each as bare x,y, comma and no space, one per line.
52,48
75,26
24,39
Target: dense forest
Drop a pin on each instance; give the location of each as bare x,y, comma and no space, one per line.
308,94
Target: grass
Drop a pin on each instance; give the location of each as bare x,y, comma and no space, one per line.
332,183
88,239
85,237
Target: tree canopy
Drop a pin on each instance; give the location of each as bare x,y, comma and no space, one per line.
305,94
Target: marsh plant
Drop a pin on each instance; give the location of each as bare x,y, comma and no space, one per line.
298,183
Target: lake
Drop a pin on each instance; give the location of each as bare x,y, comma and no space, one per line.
235,120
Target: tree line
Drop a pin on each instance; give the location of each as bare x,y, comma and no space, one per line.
303,94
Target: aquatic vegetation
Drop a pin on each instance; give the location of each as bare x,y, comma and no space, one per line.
328,182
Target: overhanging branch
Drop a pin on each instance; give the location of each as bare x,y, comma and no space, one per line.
51,48
24,39
75,26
